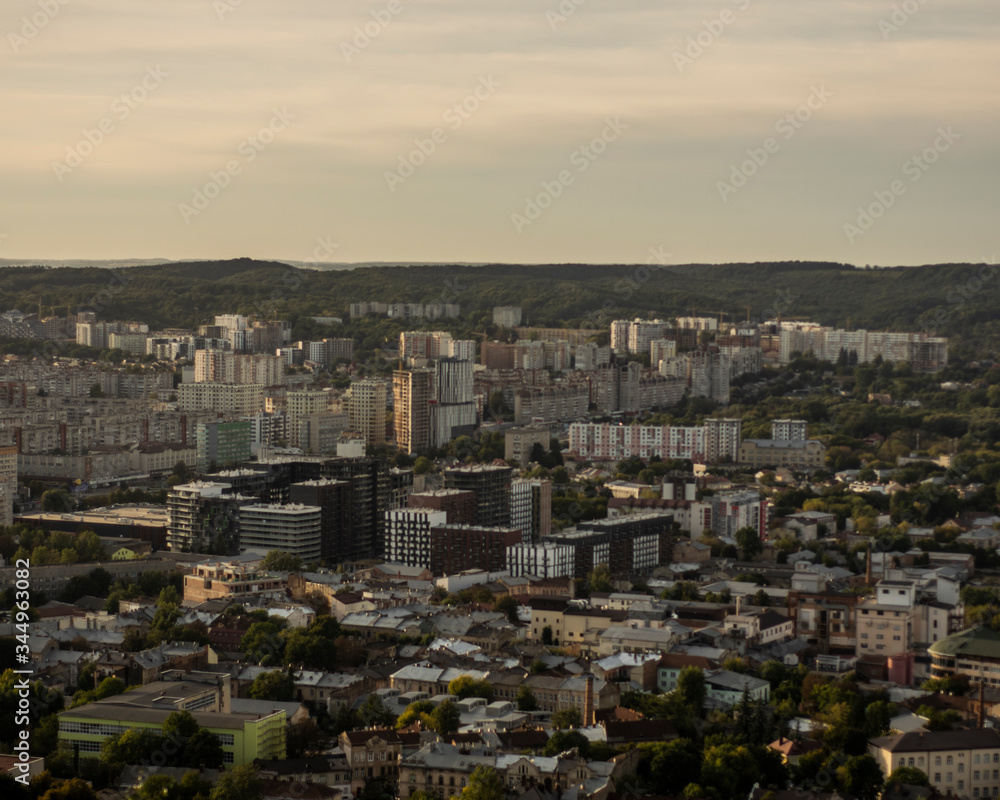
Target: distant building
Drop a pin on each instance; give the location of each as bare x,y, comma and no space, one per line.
519,442
457,548
507,316
222,444
791,430
777,453
408,535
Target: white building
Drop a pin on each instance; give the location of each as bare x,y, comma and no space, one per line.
507,316
408,535
545,560
291,528
791,430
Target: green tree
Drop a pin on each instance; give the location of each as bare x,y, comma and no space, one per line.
509,606
691,688
56,501
280,561
240,783
909,775
561,741
525,699
203,750
179,726
748,540
730,769
73,789
670,765
600,579
566,718
422,465
278,686
861,776
484,784
466,686
263,644
414,712
373,712
445,718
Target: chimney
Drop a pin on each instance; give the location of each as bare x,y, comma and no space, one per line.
588,703
982,704
868,568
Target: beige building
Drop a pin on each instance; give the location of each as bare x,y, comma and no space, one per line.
519,442
366,410
219,580
777,453
568,622
962,762
372,755
225,398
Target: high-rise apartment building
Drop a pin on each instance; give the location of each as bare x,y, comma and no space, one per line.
531,508
492,487
408,535
334,500
366,409
457,548
290,528
722,439
413,391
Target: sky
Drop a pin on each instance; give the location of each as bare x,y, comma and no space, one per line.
523,131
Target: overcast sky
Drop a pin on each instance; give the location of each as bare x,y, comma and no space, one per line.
675,93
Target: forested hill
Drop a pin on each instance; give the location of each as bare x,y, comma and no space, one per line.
961,297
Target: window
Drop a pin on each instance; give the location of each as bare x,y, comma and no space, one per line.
937,761
961,769
975,775
228,758
937,777
912,762
226,739
950,761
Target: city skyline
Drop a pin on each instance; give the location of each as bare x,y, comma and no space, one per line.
553,133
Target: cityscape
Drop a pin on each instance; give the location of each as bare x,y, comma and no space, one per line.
691,556
561,400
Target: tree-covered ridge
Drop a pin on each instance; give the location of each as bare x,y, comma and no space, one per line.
960,297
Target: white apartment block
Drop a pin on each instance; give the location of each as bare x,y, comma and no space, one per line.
464,349
590,356
226,398
790,430
607,442
722,439
291,528
546,560
408,535
922,351
734,510
507,316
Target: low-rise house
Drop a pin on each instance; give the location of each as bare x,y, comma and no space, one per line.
728,688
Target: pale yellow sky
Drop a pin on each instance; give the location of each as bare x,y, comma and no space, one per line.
255,128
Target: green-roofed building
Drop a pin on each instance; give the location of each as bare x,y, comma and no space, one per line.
974,652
